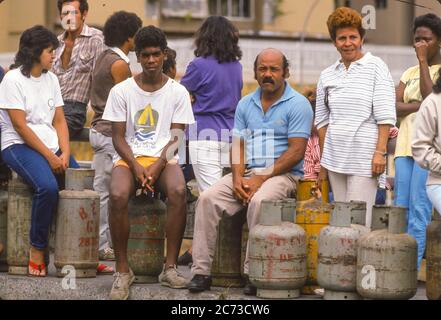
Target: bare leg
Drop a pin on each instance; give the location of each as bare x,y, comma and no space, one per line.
122,186
172,184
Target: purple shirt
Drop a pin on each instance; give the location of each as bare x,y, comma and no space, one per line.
217,89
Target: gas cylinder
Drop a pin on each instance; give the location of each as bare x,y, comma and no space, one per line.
307,189
358,216
226,267
387,260
433,258
77,228
380,215
79,179
337,255
277,252
3,224
312,215
145,250
19,224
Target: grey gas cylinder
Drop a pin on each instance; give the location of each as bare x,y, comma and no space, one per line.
337,255
433,258
387,260
145,250
226,266
19,224
77,226
277,252
3,224
380,216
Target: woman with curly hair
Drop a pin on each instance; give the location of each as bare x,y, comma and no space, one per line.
415,85
35,138
214,79
354,112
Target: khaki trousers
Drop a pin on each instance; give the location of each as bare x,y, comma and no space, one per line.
219,200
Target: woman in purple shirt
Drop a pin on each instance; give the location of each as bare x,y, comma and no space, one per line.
214,78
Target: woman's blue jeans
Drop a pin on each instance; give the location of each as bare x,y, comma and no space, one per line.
410,192
36,171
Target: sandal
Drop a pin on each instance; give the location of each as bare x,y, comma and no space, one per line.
103,269
41,268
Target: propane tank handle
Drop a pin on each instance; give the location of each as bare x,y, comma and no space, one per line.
397,220
341,215
270,213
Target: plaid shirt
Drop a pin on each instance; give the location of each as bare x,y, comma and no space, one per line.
76,80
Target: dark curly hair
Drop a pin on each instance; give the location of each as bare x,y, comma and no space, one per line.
218,37
119,27
431,21
344,17
84,6
32,43
150,36
170,63
437,85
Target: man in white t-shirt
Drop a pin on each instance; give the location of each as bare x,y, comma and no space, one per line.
149,113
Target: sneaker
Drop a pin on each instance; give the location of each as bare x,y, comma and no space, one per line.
107,254
121,285
170,277
185,259
199,283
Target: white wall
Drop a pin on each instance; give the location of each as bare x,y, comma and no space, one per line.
316,57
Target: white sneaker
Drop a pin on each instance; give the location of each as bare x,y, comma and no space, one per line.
170,277
121,285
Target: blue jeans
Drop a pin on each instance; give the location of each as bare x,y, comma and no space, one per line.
36,171
410,192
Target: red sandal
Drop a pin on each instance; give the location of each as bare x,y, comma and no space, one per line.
36,267
103,269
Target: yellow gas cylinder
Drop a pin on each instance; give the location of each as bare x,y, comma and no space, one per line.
307,189
312,215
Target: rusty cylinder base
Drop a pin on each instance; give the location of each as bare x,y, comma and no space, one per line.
341,295
18,271
278,294
146,279
309,289
79,273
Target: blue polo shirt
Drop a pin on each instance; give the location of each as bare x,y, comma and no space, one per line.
266,134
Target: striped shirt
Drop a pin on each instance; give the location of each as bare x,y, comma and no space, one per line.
311,164
359,99
76,80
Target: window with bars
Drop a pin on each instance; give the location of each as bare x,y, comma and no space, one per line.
233,9
184,8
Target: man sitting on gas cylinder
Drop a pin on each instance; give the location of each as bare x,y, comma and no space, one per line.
273,124
149,113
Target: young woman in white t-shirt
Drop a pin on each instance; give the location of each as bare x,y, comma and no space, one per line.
35,138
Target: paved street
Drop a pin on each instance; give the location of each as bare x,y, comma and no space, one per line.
51,288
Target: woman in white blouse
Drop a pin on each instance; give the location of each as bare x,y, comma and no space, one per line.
355,110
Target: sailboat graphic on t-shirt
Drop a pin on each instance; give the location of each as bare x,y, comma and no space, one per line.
146,121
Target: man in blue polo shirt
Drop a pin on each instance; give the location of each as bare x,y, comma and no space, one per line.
271,130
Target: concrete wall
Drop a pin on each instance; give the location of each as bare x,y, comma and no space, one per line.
294,14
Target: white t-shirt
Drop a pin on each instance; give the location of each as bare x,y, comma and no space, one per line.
38,98
148,115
